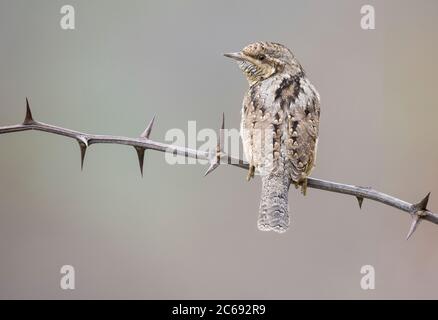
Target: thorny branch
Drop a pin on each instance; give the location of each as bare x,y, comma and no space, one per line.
418,211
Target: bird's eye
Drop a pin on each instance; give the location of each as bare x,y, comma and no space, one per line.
261,57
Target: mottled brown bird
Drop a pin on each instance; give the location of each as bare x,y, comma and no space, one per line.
279,126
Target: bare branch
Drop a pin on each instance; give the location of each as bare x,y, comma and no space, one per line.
418,211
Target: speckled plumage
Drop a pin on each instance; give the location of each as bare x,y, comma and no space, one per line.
279,126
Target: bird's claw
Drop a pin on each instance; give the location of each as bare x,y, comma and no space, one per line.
250,173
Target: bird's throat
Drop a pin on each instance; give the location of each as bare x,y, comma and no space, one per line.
255,72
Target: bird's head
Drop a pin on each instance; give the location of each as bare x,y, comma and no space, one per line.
262,60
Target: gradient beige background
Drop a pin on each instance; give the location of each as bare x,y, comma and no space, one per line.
175,234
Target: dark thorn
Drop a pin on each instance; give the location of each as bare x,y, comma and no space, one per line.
29,118
140,154
212,167
83,144
216,159
360,200
83,151
416,220
148,130
221,133
422,205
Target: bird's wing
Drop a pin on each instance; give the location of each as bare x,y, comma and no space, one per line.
302,131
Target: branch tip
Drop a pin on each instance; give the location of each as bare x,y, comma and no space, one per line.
147,132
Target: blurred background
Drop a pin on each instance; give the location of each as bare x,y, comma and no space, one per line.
175,234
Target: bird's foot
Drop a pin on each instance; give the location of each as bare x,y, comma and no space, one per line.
302,183
304,186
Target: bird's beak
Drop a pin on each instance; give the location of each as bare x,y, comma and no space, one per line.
235,55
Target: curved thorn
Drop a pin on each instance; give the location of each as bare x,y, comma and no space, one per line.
360,201
83,145
83,151
416,220
140,154
148,130
28,119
